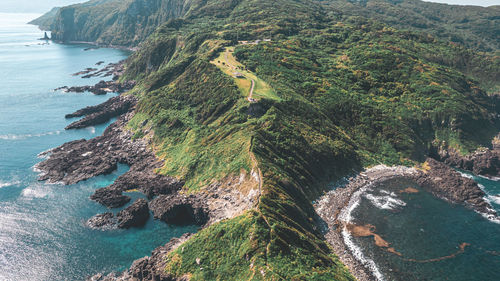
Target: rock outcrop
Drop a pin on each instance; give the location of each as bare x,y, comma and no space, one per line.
444,182
135,215
102,113
179,209
111,198
101,88
83,159
484,161
102,221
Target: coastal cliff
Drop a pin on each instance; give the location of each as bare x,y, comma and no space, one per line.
243,111
101,21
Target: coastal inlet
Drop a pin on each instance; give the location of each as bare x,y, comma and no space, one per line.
385,226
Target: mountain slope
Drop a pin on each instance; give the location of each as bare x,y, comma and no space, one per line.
112,22
340,95
326,96
472,26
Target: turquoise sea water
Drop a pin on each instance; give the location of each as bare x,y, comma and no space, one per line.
428,232
42,231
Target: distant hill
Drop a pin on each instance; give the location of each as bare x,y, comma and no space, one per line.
473,26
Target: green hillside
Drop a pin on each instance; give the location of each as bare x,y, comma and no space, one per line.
472,26
333,93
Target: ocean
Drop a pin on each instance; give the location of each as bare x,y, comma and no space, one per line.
42,226
431,239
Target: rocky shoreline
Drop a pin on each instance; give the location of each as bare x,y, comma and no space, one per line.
484,161
80,160
103,87
436,177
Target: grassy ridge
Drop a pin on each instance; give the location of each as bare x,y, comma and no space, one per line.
336,95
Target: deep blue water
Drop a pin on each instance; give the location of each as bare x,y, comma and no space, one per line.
423,229
42,231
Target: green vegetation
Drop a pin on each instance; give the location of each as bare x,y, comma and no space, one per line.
111,22
471,26
230,66
243,248
45,21
335,92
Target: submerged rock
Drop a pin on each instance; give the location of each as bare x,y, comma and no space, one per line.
135,215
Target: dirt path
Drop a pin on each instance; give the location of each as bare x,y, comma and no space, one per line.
250,94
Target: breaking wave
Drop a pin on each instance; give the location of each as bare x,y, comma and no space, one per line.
346,215
9,183
387,201
26,136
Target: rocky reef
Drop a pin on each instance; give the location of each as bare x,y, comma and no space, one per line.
102,87
484,161
99,114
446,183
102,221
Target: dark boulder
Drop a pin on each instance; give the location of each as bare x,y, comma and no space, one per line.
135,215
110,198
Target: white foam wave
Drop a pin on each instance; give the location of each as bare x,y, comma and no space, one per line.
490,178
346,215
26,136
494,198
389,201
466,175
91,130
6,184
44,154
35,191
489,198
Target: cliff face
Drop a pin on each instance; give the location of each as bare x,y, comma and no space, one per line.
123,23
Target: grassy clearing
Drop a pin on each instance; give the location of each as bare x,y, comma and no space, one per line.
230,66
